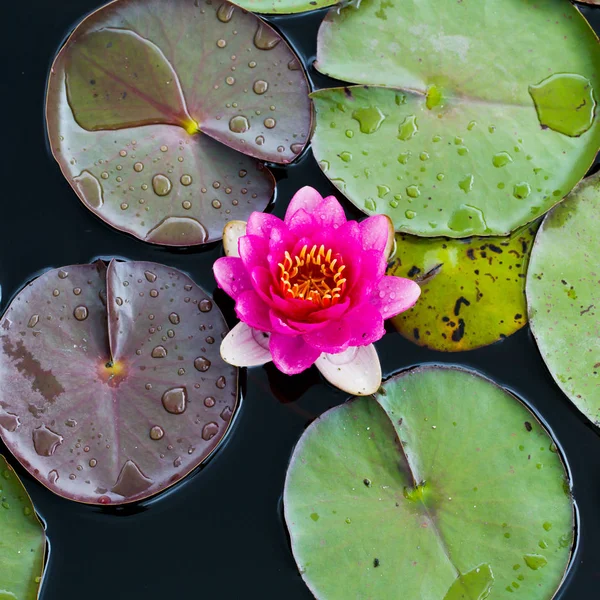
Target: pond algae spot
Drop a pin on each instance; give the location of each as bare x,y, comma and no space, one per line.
565,103
369,119
475,585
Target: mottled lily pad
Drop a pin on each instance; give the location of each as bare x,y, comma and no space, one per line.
468,138
473,290
112,384
563,295
157,113
22,539
443,486
282,7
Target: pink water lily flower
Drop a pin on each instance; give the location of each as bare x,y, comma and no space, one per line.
311,289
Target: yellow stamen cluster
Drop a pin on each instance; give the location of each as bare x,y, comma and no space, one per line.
313,275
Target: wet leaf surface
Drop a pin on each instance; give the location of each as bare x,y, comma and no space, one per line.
156,113
23,540
280,7
444,486
113,379
469,138
563,294
473,290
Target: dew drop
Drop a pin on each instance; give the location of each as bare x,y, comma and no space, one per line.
260,86
175,400
81,313
186,180
270,123
521,190
413,191
174,318
33,321
161,185
221,382
239,124
210,430
265,38
225,12
93,462
226,414
466,184
408,128
53,476
369,119
209,402
535,561
296,148
157,433
138,167
260,140
501,159
205,305
202,364
46,441
159,352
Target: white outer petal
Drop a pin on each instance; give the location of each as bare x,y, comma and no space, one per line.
356,371
245,347
232,232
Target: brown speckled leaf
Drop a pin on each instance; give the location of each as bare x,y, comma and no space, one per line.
114,379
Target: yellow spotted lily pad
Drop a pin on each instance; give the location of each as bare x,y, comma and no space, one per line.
472,290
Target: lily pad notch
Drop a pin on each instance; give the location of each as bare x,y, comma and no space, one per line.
161,124
427,483
113,387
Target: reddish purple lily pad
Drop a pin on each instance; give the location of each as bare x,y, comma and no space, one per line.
157,112
112,384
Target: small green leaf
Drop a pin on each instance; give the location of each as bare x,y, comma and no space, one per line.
22,537
473,290
563,295
282,7
472,139
429,490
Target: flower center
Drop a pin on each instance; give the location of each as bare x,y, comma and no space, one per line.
313,275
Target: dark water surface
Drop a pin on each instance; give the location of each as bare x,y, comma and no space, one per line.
218,534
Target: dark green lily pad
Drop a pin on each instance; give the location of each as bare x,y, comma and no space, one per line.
473,290
23,540
443,486
283,7
563,295
157,111
469,138
112,380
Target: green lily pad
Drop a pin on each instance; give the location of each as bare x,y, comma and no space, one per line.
473,290
22,539
563,296
283,7
157,112
468,138
443,486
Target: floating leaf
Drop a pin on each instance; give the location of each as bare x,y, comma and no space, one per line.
23,542
152,108
442,486
112,381
473,290
563,294
282,7
469,139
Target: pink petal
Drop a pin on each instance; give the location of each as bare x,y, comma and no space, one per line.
231,276
356,371
334,338
253,251
366,324
395,295
251,309
329,213
279,325
291,355
377,234
307,198
245,347
232,232
301,223
263,224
